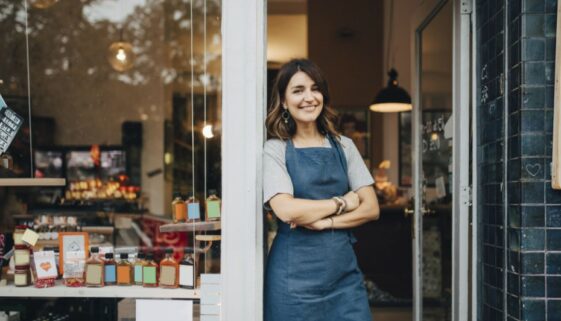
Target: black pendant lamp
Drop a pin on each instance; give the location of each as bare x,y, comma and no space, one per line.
392,98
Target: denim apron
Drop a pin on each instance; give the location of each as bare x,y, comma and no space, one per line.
313,275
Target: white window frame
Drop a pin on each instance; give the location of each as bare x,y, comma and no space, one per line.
243,111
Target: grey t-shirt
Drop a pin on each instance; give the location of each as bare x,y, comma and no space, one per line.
276,179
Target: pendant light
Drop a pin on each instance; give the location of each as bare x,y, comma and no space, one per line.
392,98
120,54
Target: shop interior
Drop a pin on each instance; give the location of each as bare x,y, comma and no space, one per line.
122,100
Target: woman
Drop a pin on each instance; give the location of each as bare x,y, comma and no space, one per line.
318,187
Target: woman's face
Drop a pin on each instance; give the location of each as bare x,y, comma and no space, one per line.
303,98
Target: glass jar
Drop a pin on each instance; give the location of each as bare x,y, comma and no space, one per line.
18,234
22,255
21,276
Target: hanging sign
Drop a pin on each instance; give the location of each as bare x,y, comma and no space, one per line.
10,123
556,157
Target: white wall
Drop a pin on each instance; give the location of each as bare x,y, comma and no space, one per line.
287,37
400,58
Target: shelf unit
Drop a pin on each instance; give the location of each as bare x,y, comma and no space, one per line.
32,182
190,227
133,291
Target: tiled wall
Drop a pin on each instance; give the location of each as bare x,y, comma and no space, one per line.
490,34
532,228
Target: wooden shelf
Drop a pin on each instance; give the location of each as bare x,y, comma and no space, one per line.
190,227
134,291
32,182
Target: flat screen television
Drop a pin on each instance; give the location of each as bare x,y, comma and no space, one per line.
75,163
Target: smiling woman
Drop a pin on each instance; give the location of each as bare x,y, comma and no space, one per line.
318,187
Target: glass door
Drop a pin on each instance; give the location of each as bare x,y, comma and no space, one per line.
433,135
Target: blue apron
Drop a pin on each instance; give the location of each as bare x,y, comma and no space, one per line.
313,275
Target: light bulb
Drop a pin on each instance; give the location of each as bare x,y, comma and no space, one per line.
121,56
207,131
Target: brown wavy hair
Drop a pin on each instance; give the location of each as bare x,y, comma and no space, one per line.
276,128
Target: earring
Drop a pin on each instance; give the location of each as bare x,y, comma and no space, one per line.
285,116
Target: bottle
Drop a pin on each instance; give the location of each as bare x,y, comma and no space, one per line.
110,270
149,272
193,209
213,206
124,270
179,210
169,271
94,269
138,264
187,270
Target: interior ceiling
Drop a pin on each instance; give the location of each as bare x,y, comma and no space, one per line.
285,7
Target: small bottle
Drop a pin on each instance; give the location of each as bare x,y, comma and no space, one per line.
193,209
187,270
124,270
213,206
149,272
169,271
138,264
110,270
94,269
179,210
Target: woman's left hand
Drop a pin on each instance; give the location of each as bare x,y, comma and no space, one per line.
319,225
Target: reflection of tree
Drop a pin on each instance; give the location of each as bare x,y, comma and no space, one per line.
72,82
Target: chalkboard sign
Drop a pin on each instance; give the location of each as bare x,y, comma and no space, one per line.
10,123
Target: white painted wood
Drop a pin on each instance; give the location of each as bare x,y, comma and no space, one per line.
461,200
475,270
556,166
243,96
133,291
32,182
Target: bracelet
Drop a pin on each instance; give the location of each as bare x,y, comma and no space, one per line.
338,203
344,205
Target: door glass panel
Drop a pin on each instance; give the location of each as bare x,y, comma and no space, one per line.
436,131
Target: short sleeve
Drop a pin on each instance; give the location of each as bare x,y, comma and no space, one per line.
276,179
358,173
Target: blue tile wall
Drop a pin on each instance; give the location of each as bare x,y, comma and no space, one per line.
530,260
490,32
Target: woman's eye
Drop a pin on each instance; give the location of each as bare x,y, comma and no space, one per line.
297,91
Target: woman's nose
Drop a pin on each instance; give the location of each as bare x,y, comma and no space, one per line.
309,96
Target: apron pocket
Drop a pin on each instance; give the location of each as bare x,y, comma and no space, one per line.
308,267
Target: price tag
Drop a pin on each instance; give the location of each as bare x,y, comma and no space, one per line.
30,237
10,123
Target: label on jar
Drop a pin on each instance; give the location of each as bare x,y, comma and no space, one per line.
186,275
167,275
21,257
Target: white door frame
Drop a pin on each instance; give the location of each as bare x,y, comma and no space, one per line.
461,201
243,110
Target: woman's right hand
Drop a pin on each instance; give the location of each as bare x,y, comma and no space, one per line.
352,201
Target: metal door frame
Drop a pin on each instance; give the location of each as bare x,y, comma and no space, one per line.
461,201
